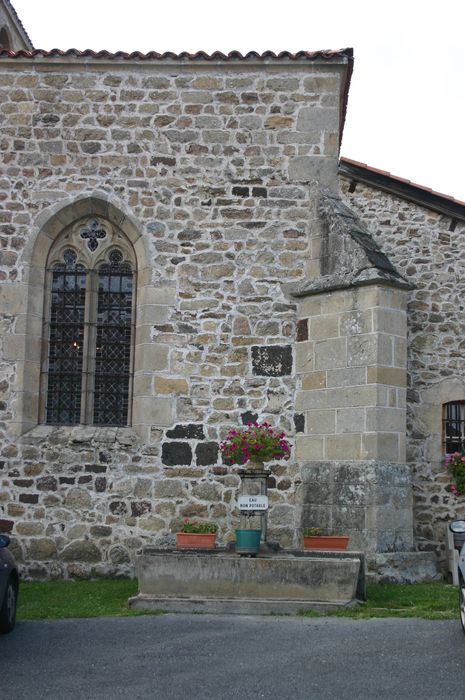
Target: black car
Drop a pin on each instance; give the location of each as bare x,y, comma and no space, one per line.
9,583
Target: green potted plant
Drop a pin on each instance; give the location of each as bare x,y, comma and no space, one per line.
196,534
455,462
315,538
254,445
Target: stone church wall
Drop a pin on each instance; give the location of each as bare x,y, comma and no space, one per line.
216,171
426,251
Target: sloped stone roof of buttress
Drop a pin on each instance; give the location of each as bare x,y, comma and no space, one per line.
19,25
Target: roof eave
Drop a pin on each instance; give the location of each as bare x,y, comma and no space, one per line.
410,191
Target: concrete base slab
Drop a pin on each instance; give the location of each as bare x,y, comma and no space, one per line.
231,606
219,581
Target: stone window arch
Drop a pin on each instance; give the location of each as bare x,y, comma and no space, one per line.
88,337
453,421
27,345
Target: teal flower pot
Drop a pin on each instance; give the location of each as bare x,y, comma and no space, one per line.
248,541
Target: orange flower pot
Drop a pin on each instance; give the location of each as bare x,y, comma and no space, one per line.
195,540
336,542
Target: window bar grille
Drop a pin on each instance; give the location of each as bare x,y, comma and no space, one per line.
113,343
66,336
454,427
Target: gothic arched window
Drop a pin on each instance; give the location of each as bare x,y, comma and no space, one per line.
89,327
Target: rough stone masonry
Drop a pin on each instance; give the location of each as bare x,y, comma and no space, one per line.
259,296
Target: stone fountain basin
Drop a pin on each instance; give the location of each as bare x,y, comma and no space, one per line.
222,582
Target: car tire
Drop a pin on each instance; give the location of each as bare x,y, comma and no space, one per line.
8,609
462,602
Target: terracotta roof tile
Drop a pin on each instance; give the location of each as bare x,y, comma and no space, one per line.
184,55
437,201
396,178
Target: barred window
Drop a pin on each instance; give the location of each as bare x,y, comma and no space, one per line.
454,426
87,365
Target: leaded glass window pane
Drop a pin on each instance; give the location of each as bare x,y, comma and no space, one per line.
66,340
113,342
454,426
88,371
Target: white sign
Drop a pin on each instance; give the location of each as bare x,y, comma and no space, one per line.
253,502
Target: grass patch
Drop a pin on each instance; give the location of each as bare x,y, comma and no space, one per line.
429,601
55,600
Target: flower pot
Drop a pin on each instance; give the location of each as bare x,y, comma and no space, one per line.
195,540
248,541
336,542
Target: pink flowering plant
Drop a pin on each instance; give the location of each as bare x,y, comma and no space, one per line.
198,527
257,442
456,464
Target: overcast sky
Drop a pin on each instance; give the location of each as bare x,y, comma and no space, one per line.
407,99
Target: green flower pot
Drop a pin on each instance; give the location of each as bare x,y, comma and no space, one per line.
248,541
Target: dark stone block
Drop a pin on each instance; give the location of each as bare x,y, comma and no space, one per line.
100,484
219,471
175,453
139,508
206,453
191,431
317,493
91,147
100,531
254,224
50,118
280,308
249,417
118,508
186,328
28,498
299,422
23,482
284,485
249,97
189,235
240,191
85,479
302,330
272,360
163,160
6,526
67,479
46,483
95,468
259,192
271,482
104,457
